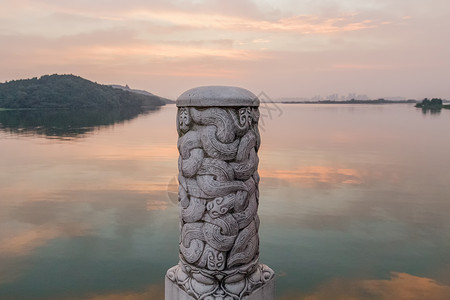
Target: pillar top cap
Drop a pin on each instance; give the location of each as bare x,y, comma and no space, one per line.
216,95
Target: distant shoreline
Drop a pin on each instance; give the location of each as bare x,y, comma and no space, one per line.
379,101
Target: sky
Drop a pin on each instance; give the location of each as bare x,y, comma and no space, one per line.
284,48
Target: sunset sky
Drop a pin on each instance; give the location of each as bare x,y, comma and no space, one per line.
286,48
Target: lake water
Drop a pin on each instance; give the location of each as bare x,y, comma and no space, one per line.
354,203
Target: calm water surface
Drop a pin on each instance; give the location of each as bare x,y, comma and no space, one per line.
355,203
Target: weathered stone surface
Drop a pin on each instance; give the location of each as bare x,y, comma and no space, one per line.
218,194
217,96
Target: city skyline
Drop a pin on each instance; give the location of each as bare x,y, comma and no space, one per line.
345,97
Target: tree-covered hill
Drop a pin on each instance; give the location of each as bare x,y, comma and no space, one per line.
69,92
435,103
127,88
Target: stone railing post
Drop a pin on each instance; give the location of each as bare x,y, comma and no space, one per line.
218,198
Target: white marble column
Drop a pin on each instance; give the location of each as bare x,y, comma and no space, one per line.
218,198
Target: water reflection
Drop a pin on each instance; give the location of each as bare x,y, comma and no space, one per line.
153,292
431,111
313,176
65,124
354,205
80,220
76,243
354,194
400,286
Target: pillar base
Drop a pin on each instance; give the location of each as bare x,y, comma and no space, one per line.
264,292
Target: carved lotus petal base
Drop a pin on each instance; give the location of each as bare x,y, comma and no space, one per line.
230,285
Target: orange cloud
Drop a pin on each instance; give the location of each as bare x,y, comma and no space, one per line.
139,57
305,24
157,50
401,286
315,25
363,66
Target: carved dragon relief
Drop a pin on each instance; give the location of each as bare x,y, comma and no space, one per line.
218,195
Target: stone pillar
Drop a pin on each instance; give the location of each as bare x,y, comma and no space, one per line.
218,198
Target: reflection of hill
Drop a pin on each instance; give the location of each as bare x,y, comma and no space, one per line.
431,111
64,124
